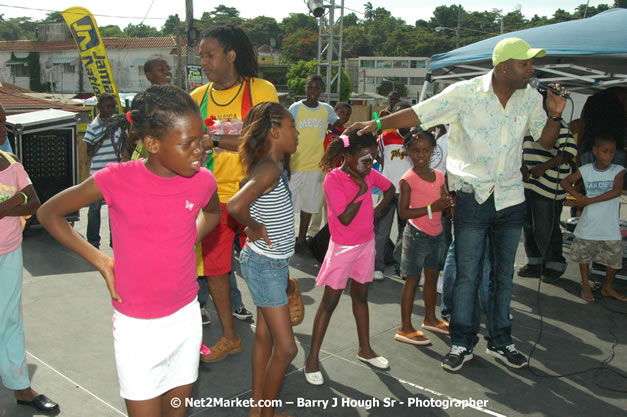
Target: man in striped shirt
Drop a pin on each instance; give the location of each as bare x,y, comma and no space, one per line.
543,169
101,149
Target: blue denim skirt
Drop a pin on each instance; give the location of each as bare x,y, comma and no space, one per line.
266,277
420,250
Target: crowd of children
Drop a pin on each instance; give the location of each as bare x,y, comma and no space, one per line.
190,217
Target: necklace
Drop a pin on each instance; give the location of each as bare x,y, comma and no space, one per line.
232,100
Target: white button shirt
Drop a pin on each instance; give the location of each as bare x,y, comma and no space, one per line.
485,140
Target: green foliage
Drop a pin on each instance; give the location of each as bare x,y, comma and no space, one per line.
140,31
112,31
262,30
169,27
300,71
53,17
297,21
301,44
387,86
17,28
220,15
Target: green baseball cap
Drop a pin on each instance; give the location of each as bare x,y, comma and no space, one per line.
514,48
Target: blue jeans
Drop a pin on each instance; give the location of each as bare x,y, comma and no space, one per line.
474,223
448,281
93,224
542,234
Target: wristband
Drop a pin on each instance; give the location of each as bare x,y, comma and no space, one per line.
25,198
429,212
556,118
376,118
216,141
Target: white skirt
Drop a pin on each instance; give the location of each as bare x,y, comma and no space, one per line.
153,356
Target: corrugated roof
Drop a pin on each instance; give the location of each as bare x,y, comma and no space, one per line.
110,43
15,102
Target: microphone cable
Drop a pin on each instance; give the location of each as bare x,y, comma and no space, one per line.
603,366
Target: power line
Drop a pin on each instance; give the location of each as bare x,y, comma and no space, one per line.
99,15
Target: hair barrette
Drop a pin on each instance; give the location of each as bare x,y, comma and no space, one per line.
346,141
128,117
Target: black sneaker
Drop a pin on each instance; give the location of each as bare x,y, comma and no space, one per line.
456,357
509,355
530,271
242,314
550,275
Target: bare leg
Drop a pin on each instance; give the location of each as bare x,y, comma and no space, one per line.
359,296
181,393
586,291
219,288
407,303
147,408
305,219
26,394
429,293
608,288
329,301
276,321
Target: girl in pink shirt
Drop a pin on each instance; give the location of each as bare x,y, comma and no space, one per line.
159,208
423,197
351,252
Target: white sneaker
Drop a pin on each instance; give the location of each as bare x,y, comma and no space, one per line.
378,275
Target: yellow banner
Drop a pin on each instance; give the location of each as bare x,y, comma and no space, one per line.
85,31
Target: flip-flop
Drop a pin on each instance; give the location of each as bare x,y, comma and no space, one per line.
413,338
590,300
378,362
441,328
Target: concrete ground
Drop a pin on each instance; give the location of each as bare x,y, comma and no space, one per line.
579,352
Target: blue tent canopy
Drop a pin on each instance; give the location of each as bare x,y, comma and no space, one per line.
585,55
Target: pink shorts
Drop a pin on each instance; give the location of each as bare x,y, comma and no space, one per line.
343,262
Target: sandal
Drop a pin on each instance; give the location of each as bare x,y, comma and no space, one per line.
441,327
295,302
413,338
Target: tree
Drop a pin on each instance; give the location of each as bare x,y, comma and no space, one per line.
140,31
220,15
387,86
17,28
261,30
368,11
350,20
301,44
300,71
169,27
53,17
297,21
112,31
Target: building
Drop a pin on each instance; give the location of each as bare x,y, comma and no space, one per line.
367,73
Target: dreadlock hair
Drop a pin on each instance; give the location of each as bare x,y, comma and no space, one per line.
417,133
257,124
314,77
233,38
336,148
154,111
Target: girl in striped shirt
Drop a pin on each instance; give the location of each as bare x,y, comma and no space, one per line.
264,206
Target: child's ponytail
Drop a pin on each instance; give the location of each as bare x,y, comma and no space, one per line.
343,145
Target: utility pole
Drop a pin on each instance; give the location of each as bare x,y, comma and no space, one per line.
180,79
189,20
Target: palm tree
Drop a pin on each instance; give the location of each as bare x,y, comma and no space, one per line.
368,11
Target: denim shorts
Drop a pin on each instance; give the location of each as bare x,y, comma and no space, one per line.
266,277
420,250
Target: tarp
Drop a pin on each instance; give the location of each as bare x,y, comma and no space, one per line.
586,55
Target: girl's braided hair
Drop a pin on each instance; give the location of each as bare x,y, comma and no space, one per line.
257,124
336,148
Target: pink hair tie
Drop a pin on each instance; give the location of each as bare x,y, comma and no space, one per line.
345,140
128,117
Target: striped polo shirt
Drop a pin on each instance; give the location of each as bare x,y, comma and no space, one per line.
105,153
275,211
534,154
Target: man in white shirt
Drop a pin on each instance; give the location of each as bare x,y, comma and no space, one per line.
488,117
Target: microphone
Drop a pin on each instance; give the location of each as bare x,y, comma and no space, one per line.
540,86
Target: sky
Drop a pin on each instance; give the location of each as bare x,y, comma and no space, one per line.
155,12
